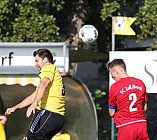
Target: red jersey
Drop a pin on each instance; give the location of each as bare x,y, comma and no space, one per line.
127,96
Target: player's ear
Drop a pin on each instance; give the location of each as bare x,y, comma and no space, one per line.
116,71
46,60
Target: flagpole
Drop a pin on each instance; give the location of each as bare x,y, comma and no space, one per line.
113,49
113,35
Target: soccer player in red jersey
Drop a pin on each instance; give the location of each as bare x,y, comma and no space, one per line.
127,103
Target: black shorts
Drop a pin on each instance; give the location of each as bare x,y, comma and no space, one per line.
45,125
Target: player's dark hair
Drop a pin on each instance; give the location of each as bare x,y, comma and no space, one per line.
42,53
117,62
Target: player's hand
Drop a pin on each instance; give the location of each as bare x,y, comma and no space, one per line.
31,109
10,110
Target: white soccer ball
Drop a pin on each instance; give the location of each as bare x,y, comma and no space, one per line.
88,33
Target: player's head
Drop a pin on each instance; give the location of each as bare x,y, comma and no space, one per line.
117,62
42,57
117,69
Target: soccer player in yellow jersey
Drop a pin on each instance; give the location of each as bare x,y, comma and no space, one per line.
48,99
3,120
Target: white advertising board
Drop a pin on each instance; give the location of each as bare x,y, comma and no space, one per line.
140,64
23,55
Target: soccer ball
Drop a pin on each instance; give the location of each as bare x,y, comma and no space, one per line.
88,34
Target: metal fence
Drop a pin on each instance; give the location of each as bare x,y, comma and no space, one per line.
104,120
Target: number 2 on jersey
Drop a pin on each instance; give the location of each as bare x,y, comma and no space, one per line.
132,97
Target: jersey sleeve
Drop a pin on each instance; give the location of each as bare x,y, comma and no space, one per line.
47,72
145,93
112,99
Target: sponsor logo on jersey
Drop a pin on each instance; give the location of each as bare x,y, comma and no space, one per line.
125,89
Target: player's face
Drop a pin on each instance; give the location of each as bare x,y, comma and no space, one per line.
39,62
114,74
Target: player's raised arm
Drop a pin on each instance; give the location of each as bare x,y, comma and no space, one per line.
27,101
41,90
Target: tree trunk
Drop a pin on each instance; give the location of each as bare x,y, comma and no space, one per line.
76,21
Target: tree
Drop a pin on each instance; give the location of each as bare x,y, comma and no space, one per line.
28,21
147,21
109,7
146,17
76,20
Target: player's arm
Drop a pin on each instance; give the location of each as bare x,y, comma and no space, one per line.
27,101
112,110
112,102
3,119
145,106
40,92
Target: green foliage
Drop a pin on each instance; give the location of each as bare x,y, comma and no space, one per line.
147,20
98,94
28,21
109,7
153,47
57,3
104,26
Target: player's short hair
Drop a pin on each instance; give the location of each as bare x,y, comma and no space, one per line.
42,53
116,62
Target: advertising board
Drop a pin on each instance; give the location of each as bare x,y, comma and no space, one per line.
21,54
